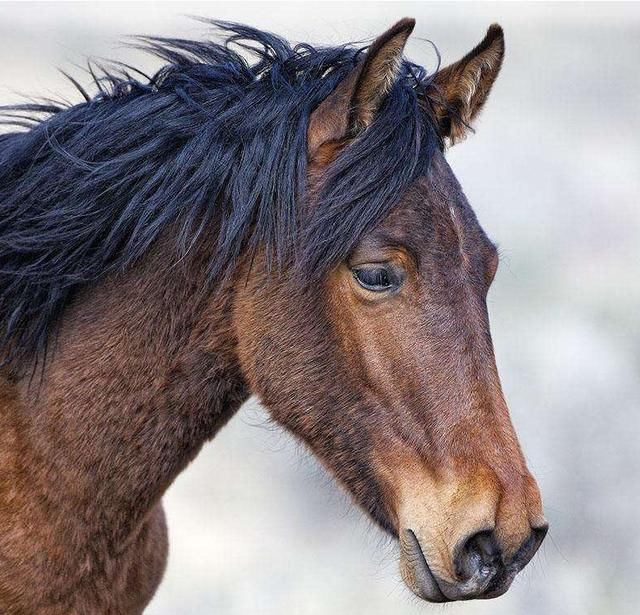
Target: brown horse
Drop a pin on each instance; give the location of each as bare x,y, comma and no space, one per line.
290,229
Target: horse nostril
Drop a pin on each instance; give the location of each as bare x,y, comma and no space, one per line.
540,533
479,556
538,536
530,546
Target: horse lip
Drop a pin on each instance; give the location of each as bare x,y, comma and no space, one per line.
500,584
474,587
416,572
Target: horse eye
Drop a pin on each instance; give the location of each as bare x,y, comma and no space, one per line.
377,278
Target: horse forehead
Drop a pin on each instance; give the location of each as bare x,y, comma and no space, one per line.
435,213
444,196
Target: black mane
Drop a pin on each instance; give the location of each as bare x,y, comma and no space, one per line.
86,189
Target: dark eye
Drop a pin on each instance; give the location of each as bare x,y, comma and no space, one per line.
377,277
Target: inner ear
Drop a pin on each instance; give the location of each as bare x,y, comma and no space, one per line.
459,91
353,105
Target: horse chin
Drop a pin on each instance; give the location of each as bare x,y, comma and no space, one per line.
416,572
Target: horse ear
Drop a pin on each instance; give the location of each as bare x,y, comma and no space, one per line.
352,106
459,91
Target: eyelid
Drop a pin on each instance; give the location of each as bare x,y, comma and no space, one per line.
364,260
383,252
396,273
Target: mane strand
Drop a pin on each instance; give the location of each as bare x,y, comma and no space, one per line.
218,132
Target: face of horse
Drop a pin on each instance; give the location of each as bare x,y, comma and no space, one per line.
386,370
410,314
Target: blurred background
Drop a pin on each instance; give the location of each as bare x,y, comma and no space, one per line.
256,527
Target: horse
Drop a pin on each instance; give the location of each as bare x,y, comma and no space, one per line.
264,219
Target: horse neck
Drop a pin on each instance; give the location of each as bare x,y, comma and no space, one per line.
142,373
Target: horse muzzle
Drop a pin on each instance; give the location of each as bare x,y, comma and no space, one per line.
480,568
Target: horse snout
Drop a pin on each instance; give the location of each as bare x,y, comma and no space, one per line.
530,546
480,568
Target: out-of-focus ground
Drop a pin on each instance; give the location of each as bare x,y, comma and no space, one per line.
554,175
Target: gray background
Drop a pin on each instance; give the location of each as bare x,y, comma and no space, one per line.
553,173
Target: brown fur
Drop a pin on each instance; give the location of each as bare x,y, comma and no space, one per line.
135,388
398,396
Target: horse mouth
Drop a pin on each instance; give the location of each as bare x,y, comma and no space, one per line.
487,583
416,572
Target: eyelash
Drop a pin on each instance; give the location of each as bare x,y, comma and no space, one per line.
379,277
